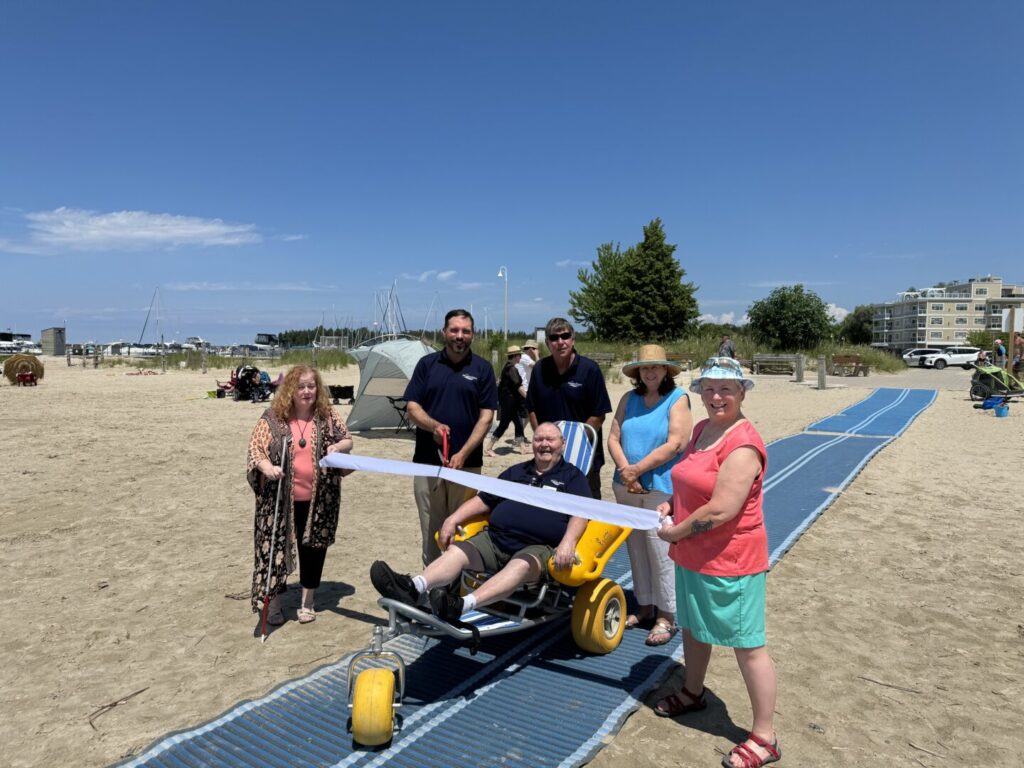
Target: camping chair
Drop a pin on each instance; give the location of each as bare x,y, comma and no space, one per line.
580,439
401,406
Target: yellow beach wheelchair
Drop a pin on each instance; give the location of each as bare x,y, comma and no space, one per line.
596,607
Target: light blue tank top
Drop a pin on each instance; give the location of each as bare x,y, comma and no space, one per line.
643,430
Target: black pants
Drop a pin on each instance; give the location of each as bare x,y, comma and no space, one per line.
509,414
594,479
311,559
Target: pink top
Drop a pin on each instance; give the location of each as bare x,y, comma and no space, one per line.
302,459
740,546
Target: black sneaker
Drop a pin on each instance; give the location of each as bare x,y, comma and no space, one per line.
445,605
397,586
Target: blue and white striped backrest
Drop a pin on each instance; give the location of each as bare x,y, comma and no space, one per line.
580,439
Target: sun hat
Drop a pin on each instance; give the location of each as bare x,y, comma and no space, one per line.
530,344
650,354
721,368
513,350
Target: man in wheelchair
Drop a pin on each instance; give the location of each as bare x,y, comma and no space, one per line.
515,546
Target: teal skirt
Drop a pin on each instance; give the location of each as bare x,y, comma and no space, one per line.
722,610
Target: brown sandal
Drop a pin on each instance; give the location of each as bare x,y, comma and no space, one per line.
673,706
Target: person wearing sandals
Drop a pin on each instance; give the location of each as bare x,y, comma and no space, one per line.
311,499
715,525
650,429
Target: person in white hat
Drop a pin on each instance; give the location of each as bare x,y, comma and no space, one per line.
715,523
649,431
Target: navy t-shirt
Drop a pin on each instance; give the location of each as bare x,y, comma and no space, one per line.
514,525
577,395
454,394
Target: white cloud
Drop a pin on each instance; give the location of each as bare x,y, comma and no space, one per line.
446,275
422,277
83,230
291,238
837,313
247,286
726,318
571,263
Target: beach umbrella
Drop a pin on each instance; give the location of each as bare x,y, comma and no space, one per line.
273,535
22,363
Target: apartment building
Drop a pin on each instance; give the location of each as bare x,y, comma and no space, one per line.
944,315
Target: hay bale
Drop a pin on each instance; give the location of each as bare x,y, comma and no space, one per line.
22,363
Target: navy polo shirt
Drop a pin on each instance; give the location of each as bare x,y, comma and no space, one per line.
577,395
454,394
514,525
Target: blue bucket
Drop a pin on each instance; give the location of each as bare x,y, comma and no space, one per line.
1002,411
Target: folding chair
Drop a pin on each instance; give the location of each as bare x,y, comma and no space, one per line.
401,405
580,439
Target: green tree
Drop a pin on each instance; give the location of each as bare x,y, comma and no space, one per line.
637,294
790,319
856,327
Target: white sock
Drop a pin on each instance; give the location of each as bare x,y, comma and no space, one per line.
420,583
468,602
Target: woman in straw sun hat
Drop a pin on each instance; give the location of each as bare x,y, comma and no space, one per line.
716,526
511,394
650,429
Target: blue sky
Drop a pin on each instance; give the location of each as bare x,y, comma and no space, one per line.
268,165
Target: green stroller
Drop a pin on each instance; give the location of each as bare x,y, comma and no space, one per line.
988,380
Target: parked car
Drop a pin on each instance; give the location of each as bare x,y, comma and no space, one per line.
911,356
962,356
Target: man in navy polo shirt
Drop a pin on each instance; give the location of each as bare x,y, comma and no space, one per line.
515,547
451,392
567,386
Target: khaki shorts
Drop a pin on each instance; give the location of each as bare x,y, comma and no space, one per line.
495,559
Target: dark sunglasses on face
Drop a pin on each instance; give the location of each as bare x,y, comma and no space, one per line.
560,336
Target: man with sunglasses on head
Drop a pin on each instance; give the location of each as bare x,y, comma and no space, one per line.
566,386
451,393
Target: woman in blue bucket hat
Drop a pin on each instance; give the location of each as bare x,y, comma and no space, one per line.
715,524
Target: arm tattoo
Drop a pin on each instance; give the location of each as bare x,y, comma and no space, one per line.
701,527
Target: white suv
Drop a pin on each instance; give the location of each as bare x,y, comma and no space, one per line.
962,356
912,356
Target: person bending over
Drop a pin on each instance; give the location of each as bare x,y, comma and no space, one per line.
515,547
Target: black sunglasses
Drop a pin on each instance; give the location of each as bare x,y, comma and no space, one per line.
560,336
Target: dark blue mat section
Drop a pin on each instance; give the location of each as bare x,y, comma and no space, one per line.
529,698
805,474
885,413
498,706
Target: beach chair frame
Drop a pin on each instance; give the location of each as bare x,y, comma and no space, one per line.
596,607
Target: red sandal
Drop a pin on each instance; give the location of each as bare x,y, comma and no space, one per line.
673,706
749,757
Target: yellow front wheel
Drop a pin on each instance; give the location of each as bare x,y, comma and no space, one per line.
373,711
598,616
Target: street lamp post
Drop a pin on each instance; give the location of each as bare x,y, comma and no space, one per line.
503,272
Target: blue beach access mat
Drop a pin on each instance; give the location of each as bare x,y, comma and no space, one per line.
529,698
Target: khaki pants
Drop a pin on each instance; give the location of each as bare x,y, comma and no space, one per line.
435,500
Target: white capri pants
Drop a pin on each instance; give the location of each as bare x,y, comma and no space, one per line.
654,578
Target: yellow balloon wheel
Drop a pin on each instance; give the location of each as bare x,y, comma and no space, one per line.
373,711
599,616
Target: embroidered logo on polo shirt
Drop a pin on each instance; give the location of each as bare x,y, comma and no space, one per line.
575,384
468,377
556,483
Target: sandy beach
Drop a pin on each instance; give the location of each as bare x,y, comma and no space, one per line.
896,623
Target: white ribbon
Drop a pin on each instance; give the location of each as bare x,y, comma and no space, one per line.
565,503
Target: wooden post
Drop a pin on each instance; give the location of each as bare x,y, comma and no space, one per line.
202,359
1008,341
799,368
821,372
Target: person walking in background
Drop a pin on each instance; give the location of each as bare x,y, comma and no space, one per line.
650,429
1018,351
511,395
715,524
525,366
567,386
726,348
452,396
1000,353
311,498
